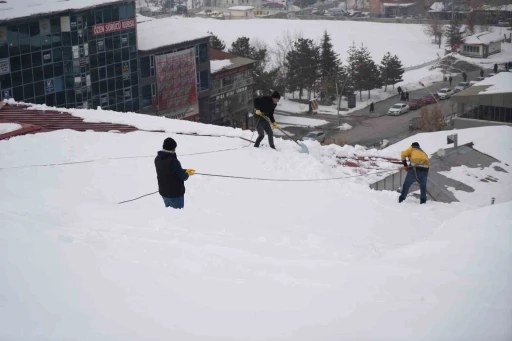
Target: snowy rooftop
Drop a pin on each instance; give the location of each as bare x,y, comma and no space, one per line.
10,9
142,18
158,33
217,65
499,84
241,8
220,60
483,38
392,4
437,7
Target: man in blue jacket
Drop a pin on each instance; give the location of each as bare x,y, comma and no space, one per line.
171,177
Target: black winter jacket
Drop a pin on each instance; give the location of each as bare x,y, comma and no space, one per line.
170,175
266,105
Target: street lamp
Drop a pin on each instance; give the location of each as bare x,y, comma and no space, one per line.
339,98
423,85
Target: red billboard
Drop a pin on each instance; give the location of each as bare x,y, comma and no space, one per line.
176,81
114,26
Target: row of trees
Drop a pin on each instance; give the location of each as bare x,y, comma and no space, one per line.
300,64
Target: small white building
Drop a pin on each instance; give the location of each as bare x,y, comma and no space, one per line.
481,45
241,12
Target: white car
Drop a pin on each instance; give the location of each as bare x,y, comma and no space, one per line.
462,86
398,109
445,93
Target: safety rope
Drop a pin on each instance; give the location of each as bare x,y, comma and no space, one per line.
269,179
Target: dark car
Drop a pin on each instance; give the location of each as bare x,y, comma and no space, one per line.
430,99
416,103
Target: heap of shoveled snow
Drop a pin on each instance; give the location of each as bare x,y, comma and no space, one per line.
8,127
246,259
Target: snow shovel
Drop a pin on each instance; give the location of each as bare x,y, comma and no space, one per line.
303,148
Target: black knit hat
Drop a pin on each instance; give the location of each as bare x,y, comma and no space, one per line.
415,144
276,94
169,144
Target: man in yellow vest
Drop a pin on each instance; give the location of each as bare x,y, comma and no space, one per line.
417,170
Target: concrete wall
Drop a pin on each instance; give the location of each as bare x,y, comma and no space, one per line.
494,47
462,123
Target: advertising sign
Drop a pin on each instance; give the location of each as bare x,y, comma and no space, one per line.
113,26
177,84
5,66
44,27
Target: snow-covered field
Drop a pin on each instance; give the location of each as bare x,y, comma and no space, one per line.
246,259
408,42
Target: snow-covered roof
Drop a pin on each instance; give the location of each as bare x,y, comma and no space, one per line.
241,8
499,84
391,4
167,31
217,65
437,7
142,18
11,9
483,38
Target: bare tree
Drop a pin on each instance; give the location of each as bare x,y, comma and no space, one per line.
431,119
283,45
434,28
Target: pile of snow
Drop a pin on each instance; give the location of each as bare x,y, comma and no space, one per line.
8,127
345,127
300,121
245,259
217,65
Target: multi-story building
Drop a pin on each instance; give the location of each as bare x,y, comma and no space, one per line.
75,53
231,97
174,69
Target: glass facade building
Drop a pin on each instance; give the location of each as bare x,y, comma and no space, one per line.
81,59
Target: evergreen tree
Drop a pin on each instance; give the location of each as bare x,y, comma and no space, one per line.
362,70
302,65
385,68
243,48
396,70
454,33
330,66
217,43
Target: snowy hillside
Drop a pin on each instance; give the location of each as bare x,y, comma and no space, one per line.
246,259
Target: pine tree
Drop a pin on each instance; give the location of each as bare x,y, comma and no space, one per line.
385,67
396,70
242,47
454,33
217,43
363,72
330,66
302,64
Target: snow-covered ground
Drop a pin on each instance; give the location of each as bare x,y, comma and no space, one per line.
345,127
411,45
8,127
246,259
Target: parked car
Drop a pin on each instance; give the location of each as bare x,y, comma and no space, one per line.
430,99
462,86
398,109
315,136
476,80
445,93
415,103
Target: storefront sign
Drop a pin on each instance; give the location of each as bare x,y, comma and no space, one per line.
5,66
230,93
47,56
65,24
113,26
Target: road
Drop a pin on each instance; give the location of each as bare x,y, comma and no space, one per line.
369,130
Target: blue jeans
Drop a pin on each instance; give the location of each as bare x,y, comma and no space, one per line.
178,202
422,175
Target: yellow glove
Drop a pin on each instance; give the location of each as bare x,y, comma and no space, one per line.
275,125
259,113
190,172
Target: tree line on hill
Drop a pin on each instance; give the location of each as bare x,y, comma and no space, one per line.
314,69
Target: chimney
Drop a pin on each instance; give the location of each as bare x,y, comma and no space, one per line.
453,139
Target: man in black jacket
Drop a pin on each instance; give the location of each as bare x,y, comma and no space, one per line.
171,176
265,106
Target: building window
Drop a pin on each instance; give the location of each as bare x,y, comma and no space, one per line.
471,49
202,80
148,92
147,66
201,53
126,11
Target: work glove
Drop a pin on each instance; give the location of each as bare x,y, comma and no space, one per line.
275,125
259,113
190,172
